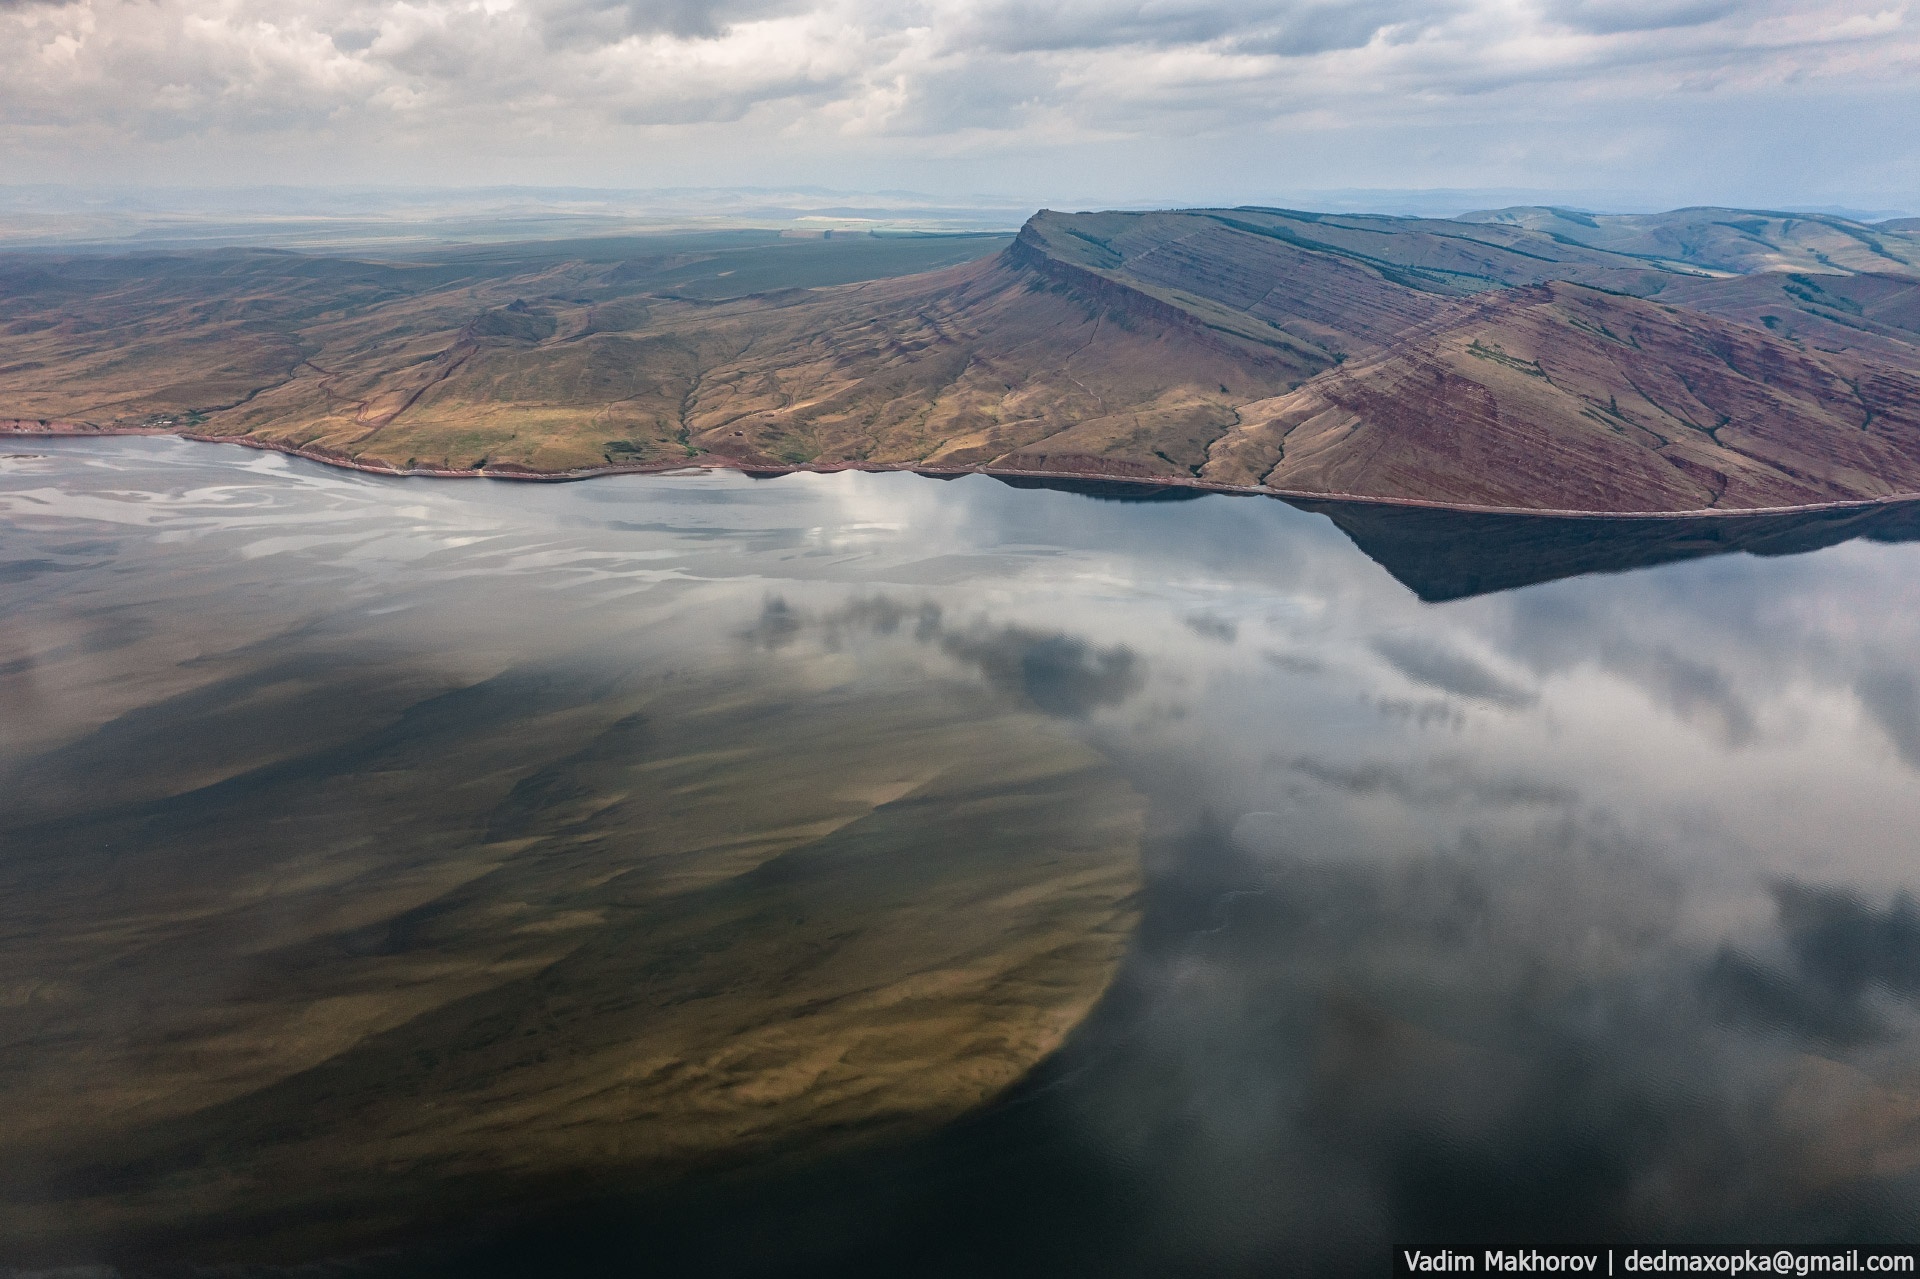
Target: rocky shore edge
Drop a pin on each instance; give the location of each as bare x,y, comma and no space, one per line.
50,428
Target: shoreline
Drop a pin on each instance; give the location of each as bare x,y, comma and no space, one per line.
28,428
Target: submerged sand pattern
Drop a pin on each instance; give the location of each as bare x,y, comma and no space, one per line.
308,938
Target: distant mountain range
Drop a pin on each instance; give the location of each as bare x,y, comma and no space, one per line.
1529,358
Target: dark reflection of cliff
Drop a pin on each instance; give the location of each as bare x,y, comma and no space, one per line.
1445,555
1105,490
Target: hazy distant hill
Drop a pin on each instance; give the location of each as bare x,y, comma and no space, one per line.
1737,240
1530,357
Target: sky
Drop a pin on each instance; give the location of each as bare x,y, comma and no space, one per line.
1069,104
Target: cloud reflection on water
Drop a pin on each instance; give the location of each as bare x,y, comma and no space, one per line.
1583,906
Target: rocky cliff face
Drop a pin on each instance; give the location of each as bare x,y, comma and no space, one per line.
1467,367
1528,358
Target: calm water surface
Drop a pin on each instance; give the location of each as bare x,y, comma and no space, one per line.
871,873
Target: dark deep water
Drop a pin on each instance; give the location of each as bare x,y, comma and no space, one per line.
873,874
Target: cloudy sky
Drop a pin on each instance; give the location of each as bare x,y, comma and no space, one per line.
1781,102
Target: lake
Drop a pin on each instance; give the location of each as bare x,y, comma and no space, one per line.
873,873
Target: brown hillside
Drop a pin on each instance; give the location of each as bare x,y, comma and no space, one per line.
1876,316
1489,362
1565,397
960,367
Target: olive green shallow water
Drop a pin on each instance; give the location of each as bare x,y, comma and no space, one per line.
342,899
